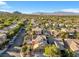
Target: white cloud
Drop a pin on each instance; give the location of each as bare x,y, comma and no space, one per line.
71,10
6,10
2,3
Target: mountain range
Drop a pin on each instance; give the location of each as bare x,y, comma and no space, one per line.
45,13
56,13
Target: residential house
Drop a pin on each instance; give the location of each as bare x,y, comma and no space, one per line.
73,45
46,32
40,40
3,38
59,43
72,34
37,30
10,27
63,30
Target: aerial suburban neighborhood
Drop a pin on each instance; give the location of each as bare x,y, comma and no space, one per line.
26,36
39,34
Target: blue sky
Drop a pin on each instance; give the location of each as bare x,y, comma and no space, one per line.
42,6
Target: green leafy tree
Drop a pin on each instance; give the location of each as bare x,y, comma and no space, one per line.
51,50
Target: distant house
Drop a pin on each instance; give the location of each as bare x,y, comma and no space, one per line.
61,25
25,21
77,29
6,29
63,30
72,35
57,26
33,21
37,30
54,32
40,38
46,32
10,27
3,31
3,38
